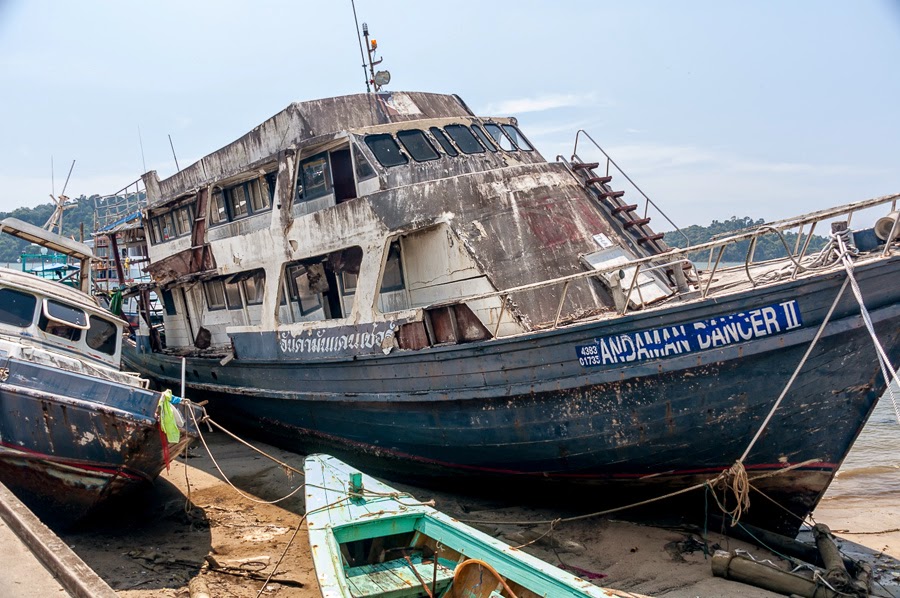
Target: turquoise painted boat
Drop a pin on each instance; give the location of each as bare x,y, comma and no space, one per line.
369,540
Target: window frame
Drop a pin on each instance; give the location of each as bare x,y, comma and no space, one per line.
368,139
484,138
301,193
519,135
33,307
444,141
464,129
105,345
207,285
421,136
512,146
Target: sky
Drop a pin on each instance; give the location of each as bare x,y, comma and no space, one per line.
714,109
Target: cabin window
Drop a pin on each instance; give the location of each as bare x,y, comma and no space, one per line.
269,182
260,199
62,320
233,295
254,286
500,137
516,135
363,169
325,284
215,294
172,224
313,179
218,211
183,218
300,291
169,303
386,149
482,136
167,225
17,308
101,336
236,198
393,270
441,138
417,145
155,230
464,139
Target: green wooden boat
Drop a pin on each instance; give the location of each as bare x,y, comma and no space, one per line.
369,540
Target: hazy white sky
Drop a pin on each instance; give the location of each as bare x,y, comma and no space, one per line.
718,108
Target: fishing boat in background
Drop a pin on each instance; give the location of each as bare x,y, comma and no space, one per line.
75,431
392,279
368,539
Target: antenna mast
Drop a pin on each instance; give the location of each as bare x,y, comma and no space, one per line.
361,53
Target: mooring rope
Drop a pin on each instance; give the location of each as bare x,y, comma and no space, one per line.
228,481
887,370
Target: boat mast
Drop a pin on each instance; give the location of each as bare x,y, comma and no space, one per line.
361,53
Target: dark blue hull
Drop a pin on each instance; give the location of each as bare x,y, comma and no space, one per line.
70,442
526,411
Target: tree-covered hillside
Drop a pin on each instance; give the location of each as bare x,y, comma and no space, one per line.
768,246
81,212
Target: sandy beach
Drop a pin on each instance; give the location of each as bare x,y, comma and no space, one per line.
194,524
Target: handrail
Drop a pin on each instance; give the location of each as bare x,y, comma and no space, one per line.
609,161
678,255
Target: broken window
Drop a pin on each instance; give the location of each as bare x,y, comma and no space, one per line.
516,135
417,145
17,308
464,139
500,137
313,178
441,138
301,291
386,149
324,284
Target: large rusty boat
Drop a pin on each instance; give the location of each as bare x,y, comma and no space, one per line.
392,279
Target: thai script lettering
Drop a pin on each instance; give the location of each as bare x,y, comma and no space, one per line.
337,341
687,338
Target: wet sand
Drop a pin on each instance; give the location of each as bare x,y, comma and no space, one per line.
160,543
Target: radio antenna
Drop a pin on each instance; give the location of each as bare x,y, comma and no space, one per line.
361,53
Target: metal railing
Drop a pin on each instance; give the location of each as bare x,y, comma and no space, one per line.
676,257
610,162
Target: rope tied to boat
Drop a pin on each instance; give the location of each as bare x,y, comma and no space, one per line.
887,370
735,479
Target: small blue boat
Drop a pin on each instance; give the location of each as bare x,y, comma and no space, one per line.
75,431
369,540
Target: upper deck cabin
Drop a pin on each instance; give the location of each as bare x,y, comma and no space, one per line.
57,320
361,211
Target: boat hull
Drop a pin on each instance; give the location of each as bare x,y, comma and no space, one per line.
71,442
525,411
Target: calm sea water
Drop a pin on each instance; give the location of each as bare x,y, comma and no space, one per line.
873,466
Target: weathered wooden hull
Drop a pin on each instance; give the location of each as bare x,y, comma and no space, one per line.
71,442
524,410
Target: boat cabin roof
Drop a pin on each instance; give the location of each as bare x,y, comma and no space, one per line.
304,124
